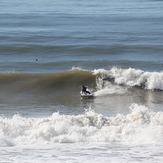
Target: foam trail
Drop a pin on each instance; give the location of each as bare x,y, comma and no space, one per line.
110,90
106,88
138,127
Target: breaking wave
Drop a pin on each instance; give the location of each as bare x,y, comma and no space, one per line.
140,126
131,77
102,81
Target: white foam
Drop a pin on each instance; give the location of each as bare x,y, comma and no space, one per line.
140,126
78,68
133,77
105,87
110,89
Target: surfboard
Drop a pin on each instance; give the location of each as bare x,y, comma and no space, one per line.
86,95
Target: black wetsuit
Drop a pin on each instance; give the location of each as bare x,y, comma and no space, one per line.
84,90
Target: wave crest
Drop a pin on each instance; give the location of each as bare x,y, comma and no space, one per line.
132,77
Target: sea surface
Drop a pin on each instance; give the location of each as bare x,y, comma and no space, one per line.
49,49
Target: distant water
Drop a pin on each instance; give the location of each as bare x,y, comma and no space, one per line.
49,49
87,34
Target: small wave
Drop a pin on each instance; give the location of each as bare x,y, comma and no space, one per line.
138,127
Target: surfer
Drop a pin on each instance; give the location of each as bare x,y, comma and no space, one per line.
84,90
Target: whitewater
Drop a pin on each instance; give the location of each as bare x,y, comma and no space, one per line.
133,78
88,134
138,127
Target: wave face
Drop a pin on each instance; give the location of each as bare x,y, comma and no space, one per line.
52,82
138,127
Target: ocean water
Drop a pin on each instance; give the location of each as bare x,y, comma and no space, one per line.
49,49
